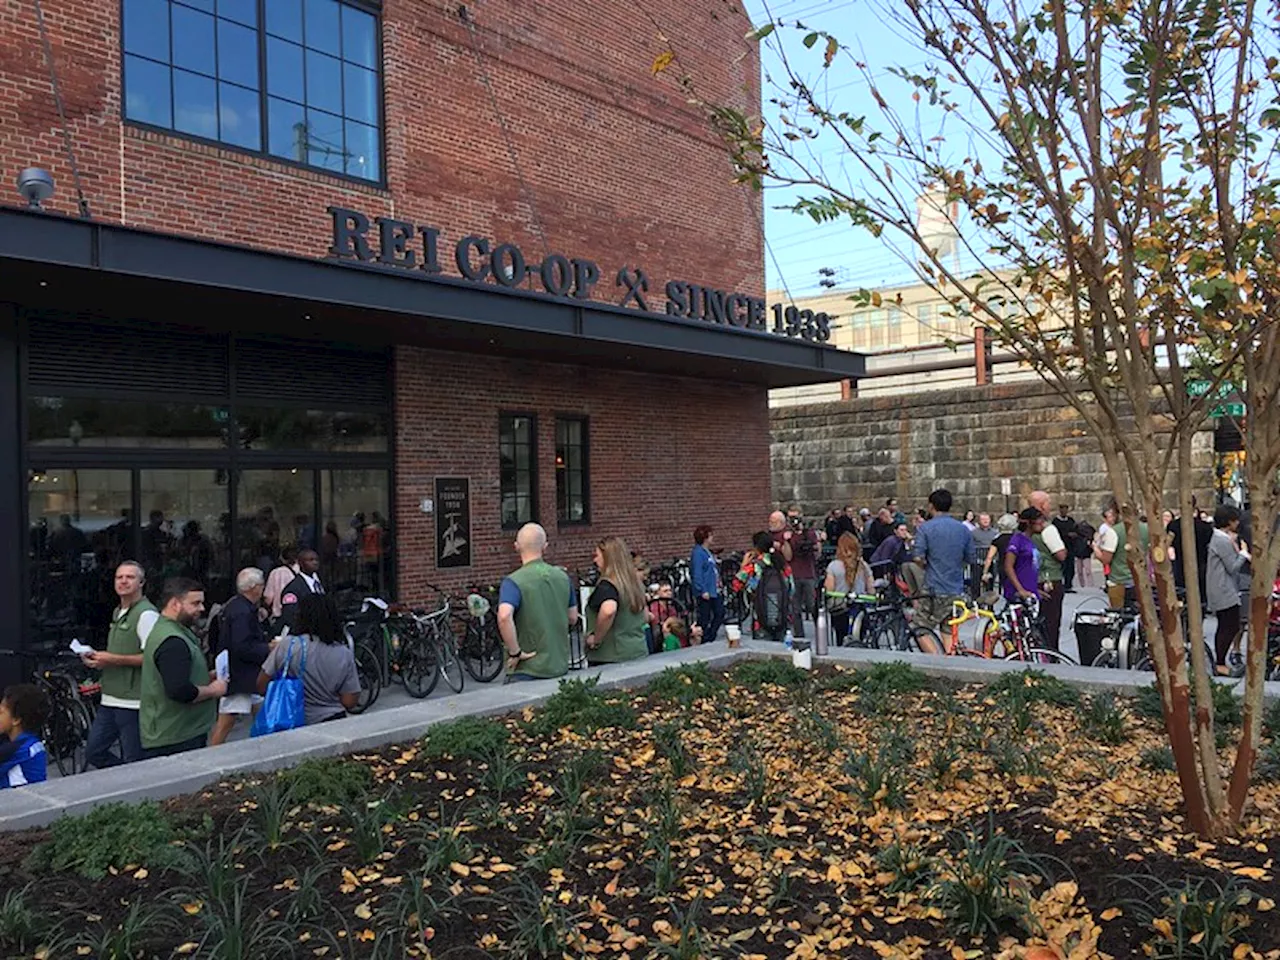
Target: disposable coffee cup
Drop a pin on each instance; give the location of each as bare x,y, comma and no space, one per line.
733,633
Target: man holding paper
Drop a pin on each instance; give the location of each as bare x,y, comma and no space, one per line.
121,664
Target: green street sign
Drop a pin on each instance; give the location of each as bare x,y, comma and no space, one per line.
1228,410
1199,388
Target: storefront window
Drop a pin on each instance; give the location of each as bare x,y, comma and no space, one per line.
572,493
356,545
186,529
274,428
274,510
80,528
518,481
97,423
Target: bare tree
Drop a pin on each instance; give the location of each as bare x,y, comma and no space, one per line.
1113,167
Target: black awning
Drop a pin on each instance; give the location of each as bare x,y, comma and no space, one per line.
51,260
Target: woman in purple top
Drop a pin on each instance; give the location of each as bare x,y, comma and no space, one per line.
1021,576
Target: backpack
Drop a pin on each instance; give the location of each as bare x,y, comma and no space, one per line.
773,602
1084,545
213,634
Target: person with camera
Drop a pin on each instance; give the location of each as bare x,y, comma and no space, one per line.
805,543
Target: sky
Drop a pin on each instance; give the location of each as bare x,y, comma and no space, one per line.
797,247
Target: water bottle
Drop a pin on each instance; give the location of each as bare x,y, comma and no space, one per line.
820,630
789,641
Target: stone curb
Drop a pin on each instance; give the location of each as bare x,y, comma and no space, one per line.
158,779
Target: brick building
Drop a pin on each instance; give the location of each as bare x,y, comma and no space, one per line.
365,277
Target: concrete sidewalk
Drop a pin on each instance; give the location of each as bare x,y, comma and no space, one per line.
163,777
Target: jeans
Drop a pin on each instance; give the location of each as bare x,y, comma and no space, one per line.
710,617
803,604
195,743
112,724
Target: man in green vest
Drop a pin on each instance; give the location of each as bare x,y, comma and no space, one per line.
1110,549
179,699
1052,551
116,720
536,608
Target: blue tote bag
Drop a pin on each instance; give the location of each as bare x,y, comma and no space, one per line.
283,708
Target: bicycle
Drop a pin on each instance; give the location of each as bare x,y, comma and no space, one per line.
1016,634
990,633
71,691
442,643
481,646
389,646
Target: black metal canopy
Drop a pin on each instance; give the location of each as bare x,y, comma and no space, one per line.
51,260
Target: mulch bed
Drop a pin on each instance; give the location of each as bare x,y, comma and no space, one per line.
760,840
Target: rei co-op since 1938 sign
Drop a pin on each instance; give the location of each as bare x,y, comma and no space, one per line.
453,522
407,246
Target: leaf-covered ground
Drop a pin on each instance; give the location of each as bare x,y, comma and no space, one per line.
760,814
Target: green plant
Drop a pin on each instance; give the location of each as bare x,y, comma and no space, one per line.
985,885
470,738
19,923
944,763
817,729
113,835
1016,757
876,780
126,940
214,866
1156,758
1146,704
1197,919
1271,720
754,674
443,842
537,925
327,781
690,943
230,930
503,773
1227,708
908,863
668,742
272,800
686,684
579,772
745,760
1102,719
1035,686
582,706
367,822
1266,768
894,678
306,901
418,912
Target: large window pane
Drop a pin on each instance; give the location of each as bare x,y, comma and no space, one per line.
287,130
242,11
146,28
571,470
186,529
284,19
322,32
274,509
324,82
274,428
517,478
195,108
356,544
284,70
237,54
80,529
94,422
147,96
193,42
324,141
359,37
238,120
362,151
360,87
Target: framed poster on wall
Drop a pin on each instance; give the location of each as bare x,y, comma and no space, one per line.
453,522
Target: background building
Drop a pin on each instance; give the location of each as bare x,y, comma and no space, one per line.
204,358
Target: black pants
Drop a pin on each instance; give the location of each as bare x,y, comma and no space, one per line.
1228,630
195,743
839,627
1051,611
1068,571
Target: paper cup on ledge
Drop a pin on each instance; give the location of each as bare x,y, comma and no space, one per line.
733,633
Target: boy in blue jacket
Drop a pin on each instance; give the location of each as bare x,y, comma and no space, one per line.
22,756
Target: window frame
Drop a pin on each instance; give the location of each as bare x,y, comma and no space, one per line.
585,421
534,504
371,7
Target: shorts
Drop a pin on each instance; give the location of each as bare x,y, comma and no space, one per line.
932,611
240,704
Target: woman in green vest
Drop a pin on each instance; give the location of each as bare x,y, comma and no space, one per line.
615,612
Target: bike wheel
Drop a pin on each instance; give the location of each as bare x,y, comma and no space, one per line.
481,649
1043,655
369,671
997,640
81,721
1106,660
450,662
916,634
854,638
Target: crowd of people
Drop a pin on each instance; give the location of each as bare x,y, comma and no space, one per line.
161,696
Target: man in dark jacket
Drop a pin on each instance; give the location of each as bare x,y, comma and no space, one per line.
307,581
243,648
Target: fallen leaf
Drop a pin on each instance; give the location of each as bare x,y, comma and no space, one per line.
188,947
1265,904
192,908
365,935
1111,913
612,886
141,874
1253,873
461,869
364,911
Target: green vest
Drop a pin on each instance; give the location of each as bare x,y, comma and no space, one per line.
161,721
1120,572
542,622
625,639
125,683
1050,566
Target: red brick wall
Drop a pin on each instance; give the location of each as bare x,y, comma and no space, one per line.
621,170
665,455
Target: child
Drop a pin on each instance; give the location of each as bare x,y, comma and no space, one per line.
754,565
22,756
675,634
